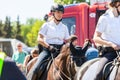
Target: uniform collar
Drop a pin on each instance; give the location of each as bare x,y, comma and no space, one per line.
110,12
52,22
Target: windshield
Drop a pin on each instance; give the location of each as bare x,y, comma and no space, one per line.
70,23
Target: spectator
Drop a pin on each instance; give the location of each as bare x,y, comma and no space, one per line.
28,58
8,69
19,56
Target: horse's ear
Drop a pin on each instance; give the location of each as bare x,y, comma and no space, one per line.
72,48
87,44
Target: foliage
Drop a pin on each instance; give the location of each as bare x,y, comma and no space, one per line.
68,1
26,33
29,31
32,35
18,26
8,28
1,29
25,29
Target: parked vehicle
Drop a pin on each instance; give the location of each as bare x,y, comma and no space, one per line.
9,46
82,18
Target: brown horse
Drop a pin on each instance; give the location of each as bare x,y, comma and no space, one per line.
63,67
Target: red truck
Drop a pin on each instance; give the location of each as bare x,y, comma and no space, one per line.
82,18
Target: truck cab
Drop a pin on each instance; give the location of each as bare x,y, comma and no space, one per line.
81,19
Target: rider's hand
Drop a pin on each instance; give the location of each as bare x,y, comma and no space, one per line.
52,49
116,47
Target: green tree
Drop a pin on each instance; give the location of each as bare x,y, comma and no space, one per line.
18,30
18,26
8,28
1,29
32,35
26,28
30,21
68,1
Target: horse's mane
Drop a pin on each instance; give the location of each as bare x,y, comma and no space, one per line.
64,53
59,65
65,49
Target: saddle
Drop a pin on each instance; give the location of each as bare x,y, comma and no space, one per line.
104,50
107,70
109,67
45,67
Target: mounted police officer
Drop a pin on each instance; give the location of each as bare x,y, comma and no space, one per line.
107,35
8,69
51,36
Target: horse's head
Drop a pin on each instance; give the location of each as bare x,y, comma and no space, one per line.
63,64
63,67
78,53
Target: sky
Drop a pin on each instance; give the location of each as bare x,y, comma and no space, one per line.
24,8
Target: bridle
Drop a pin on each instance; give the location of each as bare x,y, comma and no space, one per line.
57,68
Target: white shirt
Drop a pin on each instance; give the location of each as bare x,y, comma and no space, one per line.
109,26
54,34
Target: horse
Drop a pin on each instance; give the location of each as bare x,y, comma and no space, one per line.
84,72
111,70
64,66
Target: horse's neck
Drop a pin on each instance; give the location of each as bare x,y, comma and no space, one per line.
60,61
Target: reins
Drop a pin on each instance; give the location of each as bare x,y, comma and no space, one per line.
57,68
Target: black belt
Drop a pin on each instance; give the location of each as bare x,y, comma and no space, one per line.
57,46
106,49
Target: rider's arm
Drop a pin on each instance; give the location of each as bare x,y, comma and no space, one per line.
41,41
97,38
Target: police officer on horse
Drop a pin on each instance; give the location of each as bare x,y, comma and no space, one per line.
107,35
51,36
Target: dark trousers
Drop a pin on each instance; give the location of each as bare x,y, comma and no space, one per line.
105,59
38,68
